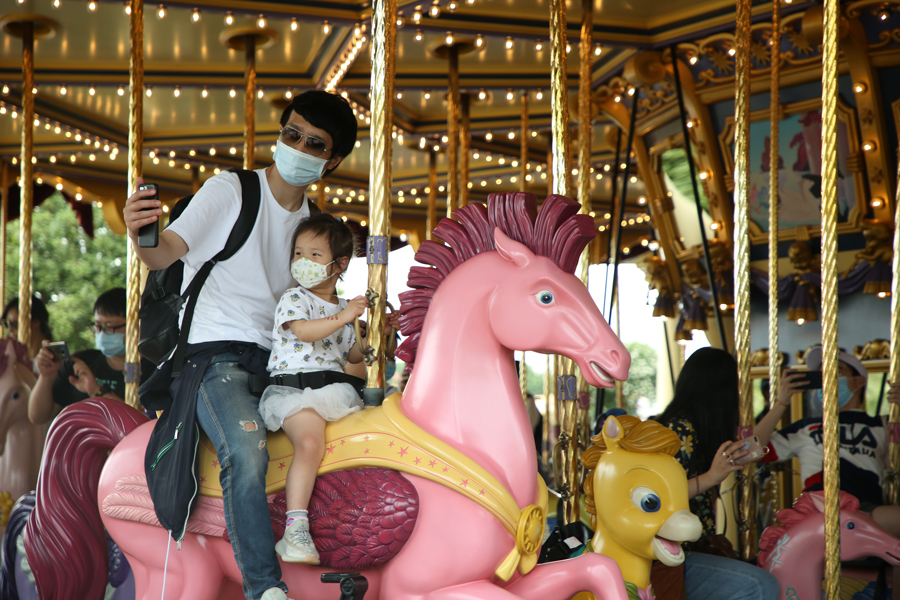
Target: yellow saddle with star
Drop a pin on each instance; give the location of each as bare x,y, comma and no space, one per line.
384,437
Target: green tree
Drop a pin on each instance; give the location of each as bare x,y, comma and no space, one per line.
641,381
69,269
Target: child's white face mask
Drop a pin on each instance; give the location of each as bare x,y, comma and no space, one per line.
308,273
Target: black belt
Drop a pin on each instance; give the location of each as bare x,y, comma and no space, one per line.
313,379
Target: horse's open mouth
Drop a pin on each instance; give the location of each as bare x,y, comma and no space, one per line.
668,552
603,375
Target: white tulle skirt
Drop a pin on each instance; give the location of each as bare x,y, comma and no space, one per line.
332,402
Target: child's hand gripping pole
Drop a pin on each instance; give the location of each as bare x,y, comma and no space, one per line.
367,351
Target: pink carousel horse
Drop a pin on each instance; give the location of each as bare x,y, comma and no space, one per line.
461,520
21,442
795,553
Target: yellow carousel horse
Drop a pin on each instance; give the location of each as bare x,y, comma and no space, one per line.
637,496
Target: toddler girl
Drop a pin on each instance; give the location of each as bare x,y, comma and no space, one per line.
313,332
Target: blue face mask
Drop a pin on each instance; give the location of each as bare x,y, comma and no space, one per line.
110,344
845,394
297,168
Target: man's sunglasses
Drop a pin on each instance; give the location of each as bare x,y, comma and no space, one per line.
311,145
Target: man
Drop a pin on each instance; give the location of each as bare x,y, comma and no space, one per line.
863,438
91,373
230,335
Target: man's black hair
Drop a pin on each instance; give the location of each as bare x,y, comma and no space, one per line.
112,303
38,313
330,113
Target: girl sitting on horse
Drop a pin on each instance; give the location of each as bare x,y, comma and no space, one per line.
313,333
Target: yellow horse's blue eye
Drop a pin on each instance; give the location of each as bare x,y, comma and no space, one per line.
645,499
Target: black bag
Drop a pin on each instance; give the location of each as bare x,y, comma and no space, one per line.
162,299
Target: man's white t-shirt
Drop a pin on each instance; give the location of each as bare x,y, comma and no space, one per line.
238,300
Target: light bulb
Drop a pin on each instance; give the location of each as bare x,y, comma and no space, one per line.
539,95
149,91
435,11
204,92
91,6
92,91
177,92
326,28
294,24
195,15
427,94
161,12
449,39
261,22
232,92
229,19
418,35
509,43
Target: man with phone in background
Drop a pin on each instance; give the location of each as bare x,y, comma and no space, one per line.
863,438
65,379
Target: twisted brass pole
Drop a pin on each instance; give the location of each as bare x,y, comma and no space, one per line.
135,169
431,214
383,51
26,185
321,199
585,139
774,162
4,212
742,248
249,102
523,145
464,141
523,376
830,302
892,481
545,446
559,166
452,130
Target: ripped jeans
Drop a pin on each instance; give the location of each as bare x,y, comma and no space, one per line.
229,415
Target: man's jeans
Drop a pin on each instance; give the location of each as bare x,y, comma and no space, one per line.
229,414
708,576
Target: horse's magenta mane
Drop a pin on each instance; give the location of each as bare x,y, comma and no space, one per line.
556,232
803,508
21,355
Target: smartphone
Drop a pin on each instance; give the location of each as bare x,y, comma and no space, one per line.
809,380
754,451
59,350
148,235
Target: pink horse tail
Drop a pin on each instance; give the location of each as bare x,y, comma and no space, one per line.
64,539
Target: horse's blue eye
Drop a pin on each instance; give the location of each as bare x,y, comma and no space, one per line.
545,297
850,525
645,499
15,396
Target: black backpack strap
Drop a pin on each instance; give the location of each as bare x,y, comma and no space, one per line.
251,194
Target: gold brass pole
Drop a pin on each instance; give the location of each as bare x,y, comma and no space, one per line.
195,179
452,131
465,139
4,212
321,199
250,102
559,167
523,376
431,215
742,250
135,170
383,51
25,184
892,481
774,122
523,145
549,170
585,137
830,302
